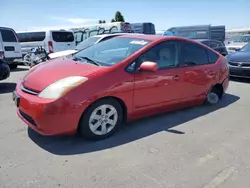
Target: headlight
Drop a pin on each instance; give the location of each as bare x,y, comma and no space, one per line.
61,87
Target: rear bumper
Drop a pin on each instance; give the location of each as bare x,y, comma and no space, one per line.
13,60
225,84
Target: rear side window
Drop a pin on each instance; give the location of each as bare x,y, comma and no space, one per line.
31,36
213,57
8,35
194,54
62,36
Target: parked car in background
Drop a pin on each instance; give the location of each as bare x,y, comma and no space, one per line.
239,62
4,70
85,44
198,32
216,45
144,28
51,40
10,49
237,42
123,78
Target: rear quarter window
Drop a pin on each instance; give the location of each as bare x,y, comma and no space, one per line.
62,36
8,35
193,53
31,36
213,57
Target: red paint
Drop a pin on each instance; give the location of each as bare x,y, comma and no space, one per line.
143,94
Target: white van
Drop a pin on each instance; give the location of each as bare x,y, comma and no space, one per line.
10,49
52,40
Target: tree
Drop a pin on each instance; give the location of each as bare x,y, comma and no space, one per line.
113,20
119,17
102,21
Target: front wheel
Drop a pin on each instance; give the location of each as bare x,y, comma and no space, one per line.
101,119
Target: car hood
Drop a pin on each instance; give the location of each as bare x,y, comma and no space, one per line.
47,73
239,56
236,45
62,53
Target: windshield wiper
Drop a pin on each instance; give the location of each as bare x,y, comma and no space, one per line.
88,59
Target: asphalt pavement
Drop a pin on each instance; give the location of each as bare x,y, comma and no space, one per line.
201,147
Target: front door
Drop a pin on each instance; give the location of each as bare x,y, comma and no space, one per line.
160,88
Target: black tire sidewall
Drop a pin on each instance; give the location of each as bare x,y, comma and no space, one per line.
215,92
84,122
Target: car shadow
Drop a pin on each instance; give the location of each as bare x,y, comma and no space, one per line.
7,87
71,145
242,80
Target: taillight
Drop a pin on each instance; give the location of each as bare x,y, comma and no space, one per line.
50,47
1,54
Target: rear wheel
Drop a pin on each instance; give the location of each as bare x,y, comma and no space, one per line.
101,119
214,96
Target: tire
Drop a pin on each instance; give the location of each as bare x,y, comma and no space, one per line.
213,97
94,123
13,66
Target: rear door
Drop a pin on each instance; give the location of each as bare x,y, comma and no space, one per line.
62,40
10,44
30,40
198,72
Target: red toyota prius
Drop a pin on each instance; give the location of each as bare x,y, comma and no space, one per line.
127,77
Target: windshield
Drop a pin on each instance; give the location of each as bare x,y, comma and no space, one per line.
87,43
241,39
112,51
246,48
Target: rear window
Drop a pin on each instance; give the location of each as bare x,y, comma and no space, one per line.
8,35
31,36
62,36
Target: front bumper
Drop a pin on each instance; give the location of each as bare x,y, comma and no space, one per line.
47,117
239,72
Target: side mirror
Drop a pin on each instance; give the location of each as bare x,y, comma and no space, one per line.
149,66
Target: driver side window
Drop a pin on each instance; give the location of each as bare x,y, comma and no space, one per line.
164,54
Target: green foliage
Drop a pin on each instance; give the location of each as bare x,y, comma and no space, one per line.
119,17
102,21
113,20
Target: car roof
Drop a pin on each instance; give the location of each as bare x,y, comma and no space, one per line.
155,37
116,34
45,30
7,28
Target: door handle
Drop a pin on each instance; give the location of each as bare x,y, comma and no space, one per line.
176,77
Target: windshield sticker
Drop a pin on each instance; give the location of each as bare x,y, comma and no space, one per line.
140,42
